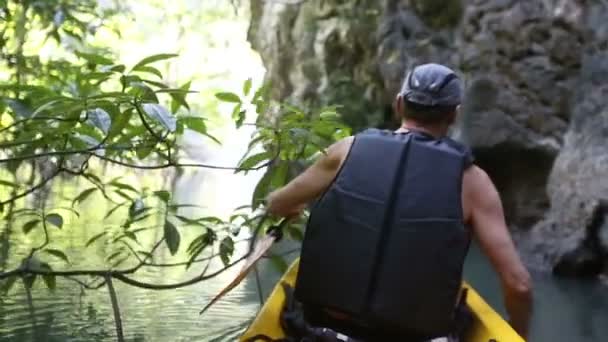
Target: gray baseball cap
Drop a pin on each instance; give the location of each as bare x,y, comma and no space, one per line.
432,85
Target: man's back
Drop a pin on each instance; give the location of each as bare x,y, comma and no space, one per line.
428,102
482,211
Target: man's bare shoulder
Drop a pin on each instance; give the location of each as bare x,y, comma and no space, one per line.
477,189
338,151
475,178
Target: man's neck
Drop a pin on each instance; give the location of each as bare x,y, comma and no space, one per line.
437,131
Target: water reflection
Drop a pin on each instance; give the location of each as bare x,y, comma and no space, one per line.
69,315
565,310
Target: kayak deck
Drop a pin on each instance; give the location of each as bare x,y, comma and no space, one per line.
488,325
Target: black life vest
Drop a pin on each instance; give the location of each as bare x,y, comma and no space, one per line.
386,242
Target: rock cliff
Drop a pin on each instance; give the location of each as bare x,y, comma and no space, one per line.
535,111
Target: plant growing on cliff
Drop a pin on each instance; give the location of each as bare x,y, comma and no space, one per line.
73,117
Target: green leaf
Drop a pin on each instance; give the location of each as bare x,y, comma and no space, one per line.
247,87
19,107
195,253
143,151
138,218
150,70
228,97
128,80
280,174
72,210
116,207
131,236
83,196
7,284
295,233
55,219
196,244
145,254
195,123
240,118
254,160
215,140
7,183
27,227
28,280
123,195
254,142
174,207
143,92
114,255
50,281
156,84
175,91
136,208
212,219
261,190
58,254
119,68
100,119
119,123
226,250
119,262
329,115
123,186
279,263
300,113
186,220
94,238
154,58
45,106
172,237
164,195
96,76
179,99
83,141
261,92
160,114
23,88
235,112
94,58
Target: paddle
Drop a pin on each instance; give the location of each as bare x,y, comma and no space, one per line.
258,250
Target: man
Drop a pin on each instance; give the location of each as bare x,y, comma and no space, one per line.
386,241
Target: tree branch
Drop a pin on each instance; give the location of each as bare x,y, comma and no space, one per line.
88,286
168,165
140,113
18,143
115,308
44,244
122,277
22,121
97,147
34,188
258,284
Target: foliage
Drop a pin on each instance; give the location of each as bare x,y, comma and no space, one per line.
59,117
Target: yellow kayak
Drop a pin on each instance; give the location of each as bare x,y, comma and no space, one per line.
488,324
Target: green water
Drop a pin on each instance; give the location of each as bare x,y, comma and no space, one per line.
564,310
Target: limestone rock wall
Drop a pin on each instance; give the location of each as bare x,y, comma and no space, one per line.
534,70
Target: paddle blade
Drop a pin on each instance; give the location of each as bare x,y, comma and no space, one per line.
260,249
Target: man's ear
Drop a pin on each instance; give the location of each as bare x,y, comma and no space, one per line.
452,117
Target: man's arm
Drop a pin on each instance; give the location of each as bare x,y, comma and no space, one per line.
293,197
491,231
